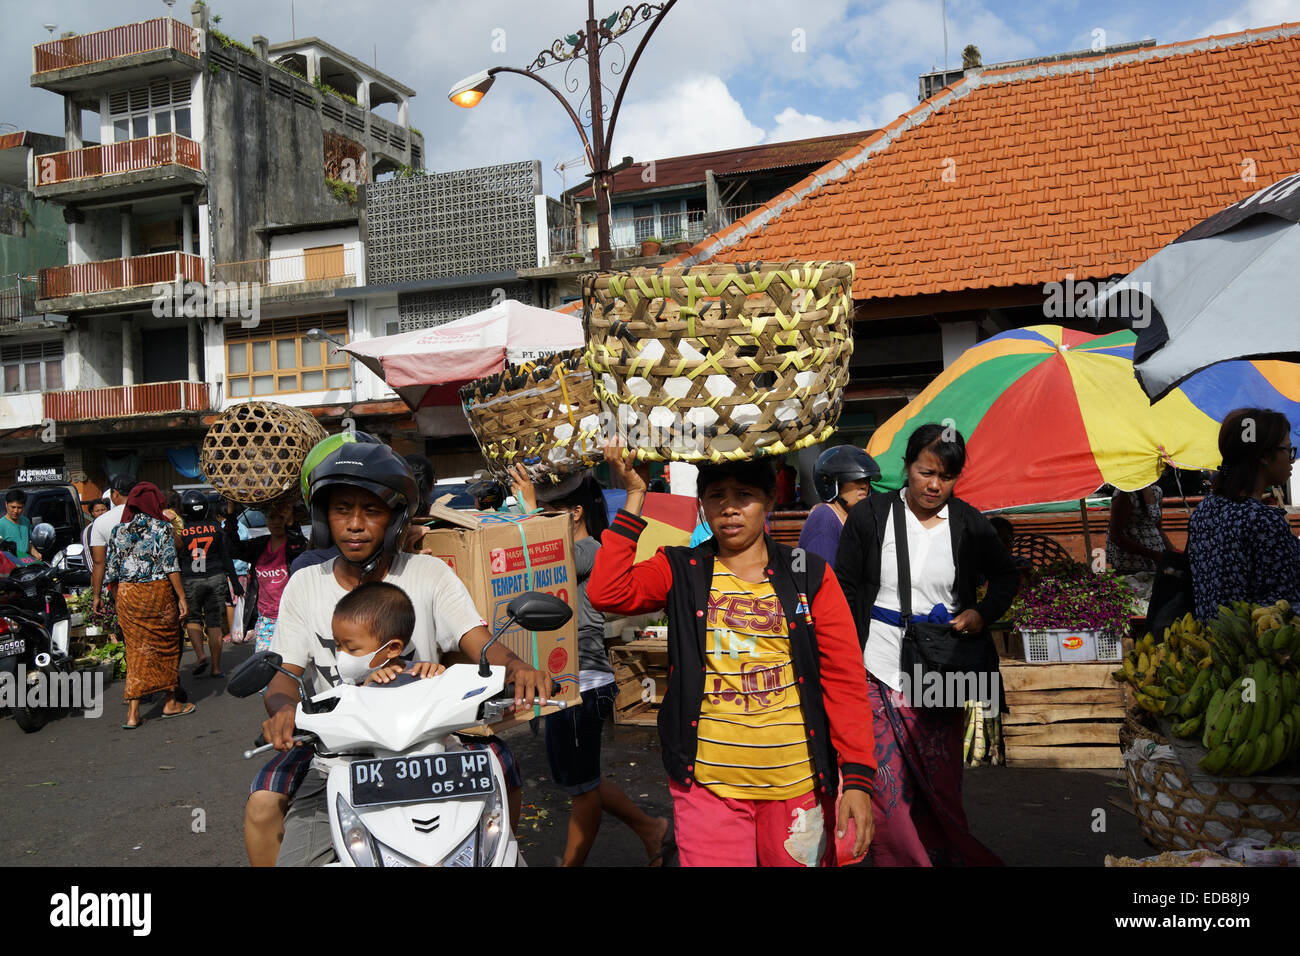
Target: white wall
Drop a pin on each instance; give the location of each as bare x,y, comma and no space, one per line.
957,338
288,264
21,411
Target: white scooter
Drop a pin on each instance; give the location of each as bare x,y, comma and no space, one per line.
405,791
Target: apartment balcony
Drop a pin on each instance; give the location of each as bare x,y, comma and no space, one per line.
126,168
135,51
18,311
304,273
113,282
128,401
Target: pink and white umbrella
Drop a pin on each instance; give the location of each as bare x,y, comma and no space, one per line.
427,367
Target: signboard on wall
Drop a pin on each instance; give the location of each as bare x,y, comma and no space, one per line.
41,474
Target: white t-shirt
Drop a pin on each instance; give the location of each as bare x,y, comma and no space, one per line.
444,613
103,526
934,581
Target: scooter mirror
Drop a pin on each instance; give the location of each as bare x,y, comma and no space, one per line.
534,611
42,538
254,674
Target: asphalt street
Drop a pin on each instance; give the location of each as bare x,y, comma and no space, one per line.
171,793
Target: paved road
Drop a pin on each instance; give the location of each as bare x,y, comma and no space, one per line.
83,791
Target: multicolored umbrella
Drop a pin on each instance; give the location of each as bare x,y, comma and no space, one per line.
1050,414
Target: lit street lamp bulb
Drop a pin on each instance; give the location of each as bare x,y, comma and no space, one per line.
467,98
470,90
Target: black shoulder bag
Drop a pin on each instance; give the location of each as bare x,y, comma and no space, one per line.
936,648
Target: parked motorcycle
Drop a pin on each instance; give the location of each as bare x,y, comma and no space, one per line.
35,623
406,791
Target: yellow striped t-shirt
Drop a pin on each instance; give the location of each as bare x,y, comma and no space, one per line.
752,740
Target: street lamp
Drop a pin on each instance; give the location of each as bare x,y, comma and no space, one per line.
587,45
320,335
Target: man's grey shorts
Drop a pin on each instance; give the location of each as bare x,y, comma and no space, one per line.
307,840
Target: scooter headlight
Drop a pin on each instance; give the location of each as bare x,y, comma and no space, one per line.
492,828
361,846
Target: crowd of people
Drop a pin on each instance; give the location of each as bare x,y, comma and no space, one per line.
789,736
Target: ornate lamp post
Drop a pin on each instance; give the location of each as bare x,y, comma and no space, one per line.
586,44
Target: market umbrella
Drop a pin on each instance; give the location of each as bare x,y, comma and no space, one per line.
427,367
1050,414
1225,289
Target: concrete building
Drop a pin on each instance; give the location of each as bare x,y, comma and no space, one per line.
206,235
678,200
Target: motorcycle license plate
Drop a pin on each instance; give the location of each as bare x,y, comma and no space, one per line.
422,778
16,645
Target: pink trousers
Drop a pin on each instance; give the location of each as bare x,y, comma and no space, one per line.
718,831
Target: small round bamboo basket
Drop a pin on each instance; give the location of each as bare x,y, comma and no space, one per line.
253,453
1177,813
542,413
720,362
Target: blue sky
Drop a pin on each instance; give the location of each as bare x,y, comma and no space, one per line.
718,73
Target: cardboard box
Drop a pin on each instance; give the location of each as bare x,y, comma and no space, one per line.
486,551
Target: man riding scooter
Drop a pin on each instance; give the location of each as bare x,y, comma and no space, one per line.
362,497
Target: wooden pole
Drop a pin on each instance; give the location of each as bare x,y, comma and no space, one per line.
1087,532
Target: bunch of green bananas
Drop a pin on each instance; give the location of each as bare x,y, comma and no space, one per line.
1164,675
1235,682
1254,723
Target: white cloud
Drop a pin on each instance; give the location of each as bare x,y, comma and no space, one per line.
1256,14
791,124
692,115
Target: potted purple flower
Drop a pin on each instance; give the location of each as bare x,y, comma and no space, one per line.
1068,612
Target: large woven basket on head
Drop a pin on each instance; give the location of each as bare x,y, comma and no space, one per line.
253,453
720,362
542,413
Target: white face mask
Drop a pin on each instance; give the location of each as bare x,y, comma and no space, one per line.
354,669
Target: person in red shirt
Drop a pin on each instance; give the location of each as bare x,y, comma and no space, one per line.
766,712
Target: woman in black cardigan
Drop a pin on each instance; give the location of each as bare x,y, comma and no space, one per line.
918,721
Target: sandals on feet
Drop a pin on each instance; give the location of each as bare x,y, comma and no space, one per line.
200,667
183,712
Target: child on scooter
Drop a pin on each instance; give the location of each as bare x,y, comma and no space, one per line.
372,626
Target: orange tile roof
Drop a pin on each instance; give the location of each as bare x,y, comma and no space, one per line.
1019,176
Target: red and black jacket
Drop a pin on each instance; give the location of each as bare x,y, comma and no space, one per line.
823,646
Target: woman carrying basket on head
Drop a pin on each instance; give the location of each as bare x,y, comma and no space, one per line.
766,713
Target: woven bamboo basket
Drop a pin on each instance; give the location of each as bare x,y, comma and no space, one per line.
253,453
721,362
1176,813
543,413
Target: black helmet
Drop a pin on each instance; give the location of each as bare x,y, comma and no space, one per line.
840,464
374,468
194,504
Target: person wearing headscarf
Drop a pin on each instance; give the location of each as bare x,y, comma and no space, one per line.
144,576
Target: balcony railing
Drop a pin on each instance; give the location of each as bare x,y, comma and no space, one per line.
626,235
162,33
85,277
306,265
155,398
17,301
165,149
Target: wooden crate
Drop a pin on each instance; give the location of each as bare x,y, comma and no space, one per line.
1062,715
635,663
